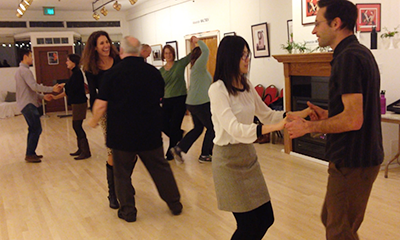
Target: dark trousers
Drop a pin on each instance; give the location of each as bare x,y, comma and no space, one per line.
159,169
174,110
254,224
77,126
201,116
32,116
346,200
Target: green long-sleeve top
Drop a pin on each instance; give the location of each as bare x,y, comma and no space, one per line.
200,78
174,78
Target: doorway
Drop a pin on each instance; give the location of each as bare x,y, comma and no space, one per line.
50,66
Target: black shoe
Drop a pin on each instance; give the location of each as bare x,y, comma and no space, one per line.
169,156
176,208
127,217
205,158
177,153
113,202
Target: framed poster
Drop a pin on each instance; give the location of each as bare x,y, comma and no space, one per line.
156,55
290,30
230,34
174,44
369,15
309,9
52,58
259,33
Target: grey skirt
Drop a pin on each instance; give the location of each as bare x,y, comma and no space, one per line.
239,182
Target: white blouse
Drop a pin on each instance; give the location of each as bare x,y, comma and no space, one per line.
233,116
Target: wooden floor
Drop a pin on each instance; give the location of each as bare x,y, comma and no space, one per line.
61,198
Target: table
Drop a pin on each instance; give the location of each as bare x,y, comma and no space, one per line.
391,117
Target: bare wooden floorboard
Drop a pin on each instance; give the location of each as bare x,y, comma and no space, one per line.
61,198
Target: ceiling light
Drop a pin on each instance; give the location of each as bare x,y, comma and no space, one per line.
104,11
132,1
96,16
117,6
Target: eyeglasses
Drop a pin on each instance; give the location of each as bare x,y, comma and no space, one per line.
246,55
316,24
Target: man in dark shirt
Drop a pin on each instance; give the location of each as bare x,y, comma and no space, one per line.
130,94
352,121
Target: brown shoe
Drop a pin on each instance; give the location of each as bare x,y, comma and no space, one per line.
39,156
32,158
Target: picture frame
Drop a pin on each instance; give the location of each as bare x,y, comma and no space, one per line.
52,58
289,26
309,9
369,15
156,58
174,44
259,33
230,34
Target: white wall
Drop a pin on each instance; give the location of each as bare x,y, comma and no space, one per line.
32,15
387,59
154,22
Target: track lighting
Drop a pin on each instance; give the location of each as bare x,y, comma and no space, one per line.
22,7
104,11
132,1
117,6
96,16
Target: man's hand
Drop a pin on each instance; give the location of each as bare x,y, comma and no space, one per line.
48,97
58,87
296,126
317,113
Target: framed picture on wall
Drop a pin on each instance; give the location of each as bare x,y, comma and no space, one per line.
52,58
290,30
174,44
230,34
259,33
156,58
309,9
369,15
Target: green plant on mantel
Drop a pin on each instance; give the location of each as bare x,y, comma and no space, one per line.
290,46
389,34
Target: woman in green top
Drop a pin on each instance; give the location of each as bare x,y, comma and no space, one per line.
198,103
175,93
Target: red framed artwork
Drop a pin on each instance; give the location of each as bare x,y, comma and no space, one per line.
369,15
309,9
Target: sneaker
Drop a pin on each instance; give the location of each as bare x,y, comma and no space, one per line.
177,152
205,158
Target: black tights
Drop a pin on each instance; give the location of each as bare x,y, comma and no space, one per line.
77,125
254,224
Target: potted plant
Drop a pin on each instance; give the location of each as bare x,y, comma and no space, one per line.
390,35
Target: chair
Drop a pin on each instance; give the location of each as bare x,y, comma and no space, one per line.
260,90
270,94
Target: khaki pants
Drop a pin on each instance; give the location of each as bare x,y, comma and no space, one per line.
346,199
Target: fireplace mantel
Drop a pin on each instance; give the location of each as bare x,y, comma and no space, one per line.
307,64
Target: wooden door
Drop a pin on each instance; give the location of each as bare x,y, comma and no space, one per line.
50,66
212,44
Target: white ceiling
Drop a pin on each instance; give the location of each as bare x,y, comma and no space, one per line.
66,5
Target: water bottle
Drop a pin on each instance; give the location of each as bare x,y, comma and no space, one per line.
383,102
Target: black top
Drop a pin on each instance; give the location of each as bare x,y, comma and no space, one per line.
74,88
354,70
133,90
95,81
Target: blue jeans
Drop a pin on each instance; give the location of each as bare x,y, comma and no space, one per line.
32,116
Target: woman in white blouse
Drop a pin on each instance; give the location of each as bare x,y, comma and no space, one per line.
239,183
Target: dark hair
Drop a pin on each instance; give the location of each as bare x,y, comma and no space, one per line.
22,53
90,56
343,9
230,52
171,49
75,59
196,52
